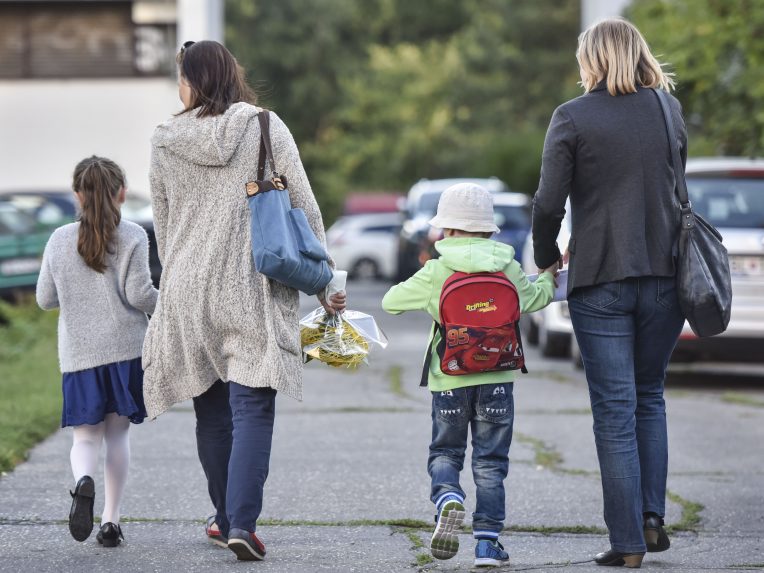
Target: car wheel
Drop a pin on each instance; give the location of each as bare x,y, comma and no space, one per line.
365,269
553,344
575,354
529,331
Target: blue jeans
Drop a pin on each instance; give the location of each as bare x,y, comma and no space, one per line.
234,429
489,411
626,331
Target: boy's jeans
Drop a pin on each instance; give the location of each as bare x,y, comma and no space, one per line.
626,331
489,410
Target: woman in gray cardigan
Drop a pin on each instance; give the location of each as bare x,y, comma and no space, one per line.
222,334
608,150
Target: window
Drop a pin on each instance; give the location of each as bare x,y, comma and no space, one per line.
80,39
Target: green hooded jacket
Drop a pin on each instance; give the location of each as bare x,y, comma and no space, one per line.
468,255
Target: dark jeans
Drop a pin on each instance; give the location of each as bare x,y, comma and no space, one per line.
489,411
626,331
234,429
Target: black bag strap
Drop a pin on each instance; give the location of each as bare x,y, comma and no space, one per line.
428,357
685,206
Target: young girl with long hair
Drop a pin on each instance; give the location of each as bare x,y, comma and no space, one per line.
97,272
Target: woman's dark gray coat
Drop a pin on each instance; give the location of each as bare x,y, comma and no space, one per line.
611,156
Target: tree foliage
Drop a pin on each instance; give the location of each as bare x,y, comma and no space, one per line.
383,92
717,52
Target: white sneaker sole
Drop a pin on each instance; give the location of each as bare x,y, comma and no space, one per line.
488,562
445,540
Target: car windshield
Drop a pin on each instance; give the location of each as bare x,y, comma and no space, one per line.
728,202
13,221
428,203
512,217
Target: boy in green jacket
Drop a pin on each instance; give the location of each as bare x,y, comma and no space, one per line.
483,401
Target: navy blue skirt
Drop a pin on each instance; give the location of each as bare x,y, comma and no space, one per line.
111,388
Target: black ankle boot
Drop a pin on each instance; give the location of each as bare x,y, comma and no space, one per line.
110,535
655,536
615,559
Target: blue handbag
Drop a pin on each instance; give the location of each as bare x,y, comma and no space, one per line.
284,247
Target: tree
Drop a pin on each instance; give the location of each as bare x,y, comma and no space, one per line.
716,50
381,93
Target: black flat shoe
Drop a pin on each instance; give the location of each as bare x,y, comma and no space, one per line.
110,535
81,513
655,536
615,559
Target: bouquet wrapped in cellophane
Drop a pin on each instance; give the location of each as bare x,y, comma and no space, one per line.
340,340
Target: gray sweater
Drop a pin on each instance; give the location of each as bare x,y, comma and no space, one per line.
103,315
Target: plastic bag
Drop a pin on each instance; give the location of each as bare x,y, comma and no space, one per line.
342,340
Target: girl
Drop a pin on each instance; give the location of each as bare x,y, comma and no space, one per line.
97,272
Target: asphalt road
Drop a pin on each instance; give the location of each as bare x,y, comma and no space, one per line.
348,488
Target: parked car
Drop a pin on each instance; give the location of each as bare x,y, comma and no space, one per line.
513,217
365,244
51,209
418,208
22,242
729,193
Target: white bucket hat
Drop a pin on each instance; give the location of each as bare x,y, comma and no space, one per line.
466,207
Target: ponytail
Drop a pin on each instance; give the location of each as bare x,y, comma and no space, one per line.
98,181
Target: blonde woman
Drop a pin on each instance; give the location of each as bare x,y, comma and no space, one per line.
608,151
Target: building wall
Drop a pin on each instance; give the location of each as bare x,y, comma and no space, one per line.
47,126
593,10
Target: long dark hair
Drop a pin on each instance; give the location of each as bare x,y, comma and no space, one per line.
217,80
98,181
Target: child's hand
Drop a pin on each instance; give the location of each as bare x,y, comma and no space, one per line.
554,270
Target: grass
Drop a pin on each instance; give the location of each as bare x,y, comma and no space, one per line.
544,455
30,382
690,519
741,399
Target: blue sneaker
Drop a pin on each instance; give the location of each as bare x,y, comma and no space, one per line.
490,553
445,540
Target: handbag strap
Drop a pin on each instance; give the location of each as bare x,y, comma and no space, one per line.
685,206
266,151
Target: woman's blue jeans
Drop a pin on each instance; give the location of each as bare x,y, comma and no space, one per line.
234,430
626,331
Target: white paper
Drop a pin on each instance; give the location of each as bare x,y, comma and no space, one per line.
561,292
337,284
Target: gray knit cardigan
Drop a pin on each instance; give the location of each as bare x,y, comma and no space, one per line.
217,318
103,315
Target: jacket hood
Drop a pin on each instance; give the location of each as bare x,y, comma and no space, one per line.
209,141
470,255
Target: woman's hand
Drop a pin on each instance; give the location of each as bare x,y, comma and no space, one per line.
335,303
554,270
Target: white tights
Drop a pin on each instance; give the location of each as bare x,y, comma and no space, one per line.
84,457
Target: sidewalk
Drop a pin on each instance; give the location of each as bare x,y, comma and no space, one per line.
348,488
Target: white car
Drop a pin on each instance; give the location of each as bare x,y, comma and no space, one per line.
729,193
366,245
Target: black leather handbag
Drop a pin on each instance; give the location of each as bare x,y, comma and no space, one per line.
703,269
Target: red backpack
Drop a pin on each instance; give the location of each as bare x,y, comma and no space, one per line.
479,326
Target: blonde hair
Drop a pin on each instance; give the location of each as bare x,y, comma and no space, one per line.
614,50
